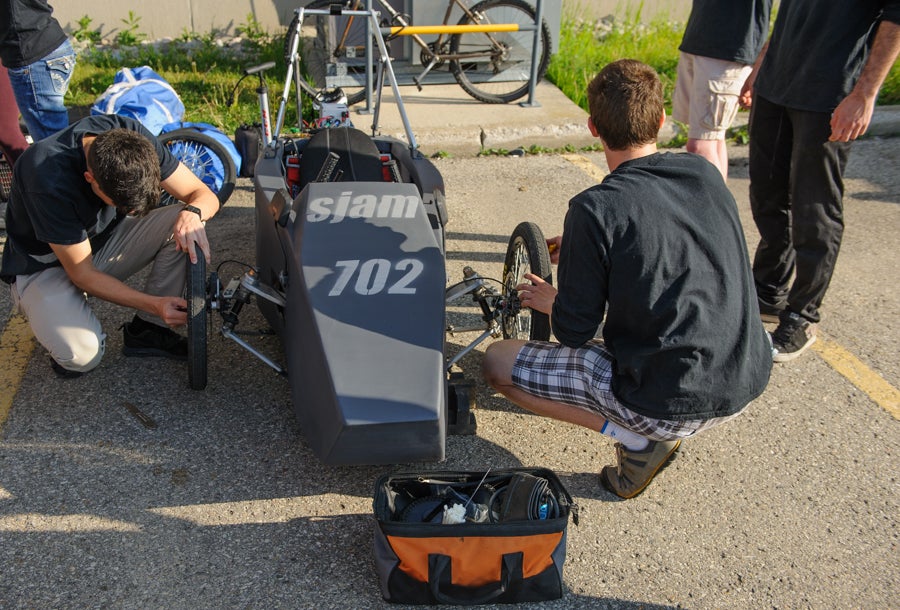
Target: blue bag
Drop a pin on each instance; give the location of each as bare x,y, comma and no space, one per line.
142,94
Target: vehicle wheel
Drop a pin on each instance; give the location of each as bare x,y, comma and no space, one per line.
332,46
527,253
204,156
500,67
196,322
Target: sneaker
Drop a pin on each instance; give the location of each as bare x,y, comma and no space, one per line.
635,469
63,373
793,336
770,314
144,338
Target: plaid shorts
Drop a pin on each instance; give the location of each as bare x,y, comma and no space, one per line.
582,377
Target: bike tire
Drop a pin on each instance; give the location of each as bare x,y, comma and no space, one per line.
205,157
197,318
505,77
526,253
319,36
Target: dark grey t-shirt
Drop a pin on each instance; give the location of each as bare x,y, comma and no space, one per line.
733,30
28,32
51,203
818,50
658,246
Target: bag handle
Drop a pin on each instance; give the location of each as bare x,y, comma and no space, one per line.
445,592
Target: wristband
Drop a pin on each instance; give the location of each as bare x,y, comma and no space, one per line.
195,210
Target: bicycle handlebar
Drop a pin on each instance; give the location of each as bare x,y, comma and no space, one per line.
254,69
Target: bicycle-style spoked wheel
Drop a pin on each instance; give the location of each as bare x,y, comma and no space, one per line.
333,49
196,297
498,67
527,253
205,157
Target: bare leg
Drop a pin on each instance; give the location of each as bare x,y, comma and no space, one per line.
497,368
714,151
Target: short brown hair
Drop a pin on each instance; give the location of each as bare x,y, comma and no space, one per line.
626,102
126,168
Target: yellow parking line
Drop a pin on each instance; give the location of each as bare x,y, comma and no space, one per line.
585,165
16,345
875,387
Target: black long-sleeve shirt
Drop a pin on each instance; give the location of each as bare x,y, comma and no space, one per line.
658,247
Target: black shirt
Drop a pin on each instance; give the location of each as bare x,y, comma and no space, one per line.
658,245
51,203
733,30
28,32
818,50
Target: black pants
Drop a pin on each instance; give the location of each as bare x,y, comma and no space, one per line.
796,193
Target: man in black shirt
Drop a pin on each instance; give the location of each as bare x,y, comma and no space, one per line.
657,250
81,219
813,93
721,41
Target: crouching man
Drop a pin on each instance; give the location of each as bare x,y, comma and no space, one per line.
81,220
658,248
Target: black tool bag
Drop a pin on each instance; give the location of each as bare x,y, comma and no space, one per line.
471,537
248,141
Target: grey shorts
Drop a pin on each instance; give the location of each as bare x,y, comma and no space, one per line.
582,377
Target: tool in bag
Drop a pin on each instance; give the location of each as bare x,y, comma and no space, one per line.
471,537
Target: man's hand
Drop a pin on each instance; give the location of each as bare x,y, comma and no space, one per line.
851,118
553,245
172,311
539,295
188,231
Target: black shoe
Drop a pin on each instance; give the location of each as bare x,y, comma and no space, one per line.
769,313
793,336
63,373
144,338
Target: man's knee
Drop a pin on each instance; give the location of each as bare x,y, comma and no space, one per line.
79,352
497,365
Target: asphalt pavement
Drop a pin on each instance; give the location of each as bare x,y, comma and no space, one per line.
214,500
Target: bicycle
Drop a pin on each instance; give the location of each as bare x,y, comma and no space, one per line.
494,67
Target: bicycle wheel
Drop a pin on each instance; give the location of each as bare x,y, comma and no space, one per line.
498,67
333,49
204,156
195,295
527,253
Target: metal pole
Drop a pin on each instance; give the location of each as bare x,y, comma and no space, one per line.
535,56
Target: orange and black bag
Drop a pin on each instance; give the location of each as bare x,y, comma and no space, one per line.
471,537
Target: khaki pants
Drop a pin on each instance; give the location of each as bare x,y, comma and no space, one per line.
59,312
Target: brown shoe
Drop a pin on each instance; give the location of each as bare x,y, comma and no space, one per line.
635,469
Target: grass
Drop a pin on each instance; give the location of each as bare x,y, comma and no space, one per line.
204,72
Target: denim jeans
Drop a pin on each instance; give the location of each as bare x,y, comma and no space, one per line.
40,88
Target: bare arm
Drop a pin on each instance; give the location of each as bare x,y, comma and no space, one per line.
852,116
77,260
188,229
745,99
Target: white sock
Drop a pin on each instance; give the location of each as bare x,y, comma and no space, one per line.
631,441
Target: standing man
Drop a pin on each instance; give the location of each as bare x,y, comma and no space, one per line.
12,142
40,59
721,42
812,95
656,253
82,218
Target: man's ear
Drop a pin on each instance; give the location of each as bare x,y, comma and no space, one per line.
593,128
662,120
89,177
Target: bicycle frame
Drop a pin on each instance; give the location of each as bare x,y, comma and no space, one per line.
385,69
433,49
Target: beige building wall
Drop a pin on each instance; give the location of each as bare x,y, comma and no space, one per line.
171,18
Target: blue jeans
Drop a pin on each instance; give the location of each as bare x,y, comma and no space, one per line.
40,88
